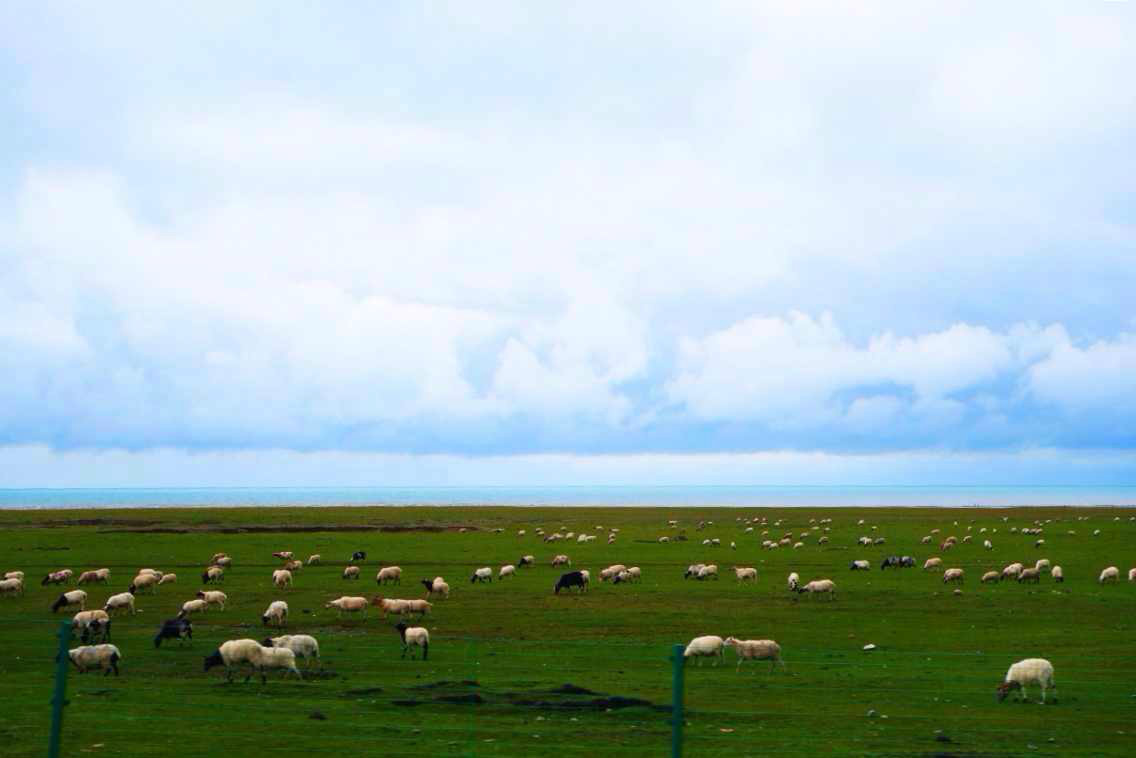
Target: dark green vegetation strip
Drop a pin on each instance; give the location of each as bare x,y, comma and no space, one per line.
515,670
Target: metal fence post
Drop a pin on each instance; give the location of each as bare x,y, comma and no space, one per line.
677,717
58,697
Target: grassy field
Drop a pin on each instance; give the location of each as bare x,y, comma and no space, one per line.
501,653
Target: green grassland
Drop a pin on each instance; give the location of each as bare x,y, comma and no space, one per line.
930,681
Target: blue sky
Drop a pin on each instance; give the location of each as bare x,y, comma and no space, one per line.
485,243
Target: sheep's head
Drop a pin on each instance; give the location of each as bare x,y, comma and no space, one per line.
213,660
267,642
729,641
1005,688
201,594
377,600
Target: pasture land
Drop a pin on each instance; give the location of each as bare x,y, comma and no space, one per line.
502,653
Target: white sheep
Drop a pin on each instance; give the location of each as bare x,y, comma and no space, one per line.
612,571
438,587
212,575
189,607
756,650
282,579
708,571
1132,574
507,570
213,597
103,657
14,575
233,653
302,645
147,580
483,574
745,573
987,544
989,576
168,579
101,576
413,635
794,581
314,560
351,572
121,601
349,604
1042,564
70,600
860,565
223,562
707,646
1030,671
12,586
1058,574
84,619
1110,574
392,574
561,560
265,658
932,563
277,613
953,575
391,605
820,587
1012,571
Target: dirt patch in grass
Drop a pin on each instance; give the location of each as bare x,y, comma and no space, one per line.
288,528
566,696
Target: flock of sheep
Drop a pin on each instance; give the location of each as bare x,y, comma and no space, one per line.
280,652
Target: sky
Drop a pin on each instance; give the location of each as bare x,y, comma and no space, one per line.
499,242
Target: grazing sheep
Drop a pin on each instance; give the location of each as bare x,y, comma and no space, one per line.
12,586
906,561
794,581
197,605
692,570
91,625
265,658
819,587
349,604
612,571
483,574
864,541
1030,671
1110,574
302,645
1058,574
313,560
437,586
224,562
282,579
707,646
664,538
390,605
926,540
745,573
213,597
216,557
98,576
351,572
70,599
561,560
143,582
233,653
756,650
413,635
121,601
1039,543
890,561
168,579
15,575
417,605
622,577
179,629
859,566
293,566
56,577
1011,571
277,613
708,571
213,575
1042,564
932,563
1132,574
391,574
823,540
284,555
104,657
507,570
953,575
987,544
988,577
571,579
1029,575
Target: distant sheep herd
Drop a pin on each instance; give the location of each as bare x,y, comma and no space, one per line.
258,657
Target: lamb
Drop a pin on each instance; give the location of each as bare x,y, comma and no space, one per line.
168,579
989,577
282,578
12,586
953,575
571,579
1012,571
277,613
859,565
794,581
192,606
104,657
1058,574
213,575
1030,671
507,570
69,599
561,560
707,646
121,601
1029,575
313,560
756,650
179,629
391,574
436,587
932,563
1110,574
483,574
349,604
351,572
745,573
232,653
413,635
98,576
819,587
213,597
91,625
302,645
144,581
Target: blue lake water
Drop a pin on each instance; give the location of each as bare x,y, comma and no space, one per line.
758,495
